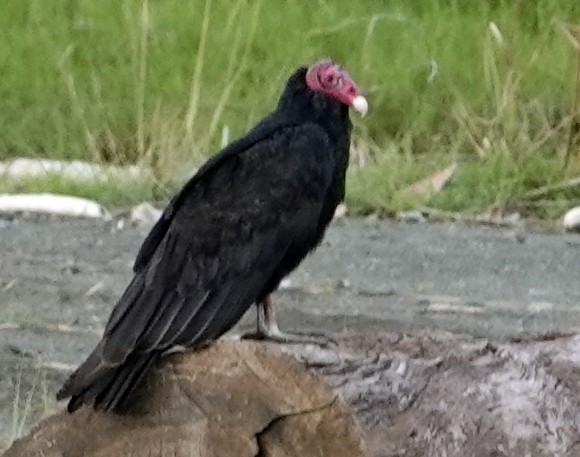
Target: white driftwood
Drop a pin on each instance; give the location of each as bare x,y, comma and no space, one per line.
46,203
76,170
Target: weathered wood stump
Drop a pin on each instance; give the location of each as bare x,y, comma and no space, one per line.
438,394
231,399
426,394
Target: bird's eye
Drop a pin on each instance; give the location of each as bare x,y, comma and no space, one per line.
333,81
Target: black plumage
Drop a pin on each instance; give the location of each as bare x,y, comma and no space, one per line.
242,223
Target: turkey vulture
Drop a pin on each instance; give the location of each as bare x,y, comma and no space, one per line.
245,220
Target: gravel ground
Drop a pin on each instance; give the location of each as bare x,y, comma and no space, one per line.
60,278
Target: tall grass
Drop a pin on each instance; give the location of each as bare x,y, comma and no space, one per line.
489,83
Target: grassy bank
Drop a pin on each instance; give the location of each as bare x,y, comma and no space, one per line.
487,83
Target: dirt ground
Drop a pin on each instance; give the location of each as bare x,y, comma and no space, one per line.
60,278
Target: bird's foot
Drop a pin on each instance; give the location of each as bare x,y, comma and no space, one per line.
268,329
277,336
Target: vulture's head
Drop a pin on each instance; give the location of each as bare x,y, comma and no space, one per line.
329,78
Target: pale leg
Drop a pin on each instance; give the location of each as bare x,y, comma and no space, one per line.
268,328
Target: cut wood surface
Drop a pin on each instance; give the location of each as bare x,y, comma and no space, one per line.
421,394
231,399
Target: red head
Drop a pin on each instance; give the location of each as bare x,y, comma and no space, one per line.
329,78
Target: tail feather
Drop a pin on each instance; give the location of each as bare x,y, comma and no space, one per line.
107,388
91,370
121,392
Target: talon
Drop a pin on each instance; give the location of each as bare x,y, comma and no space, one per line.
268,330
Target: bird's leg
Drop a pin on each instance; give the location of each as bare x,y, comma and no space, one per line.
268,327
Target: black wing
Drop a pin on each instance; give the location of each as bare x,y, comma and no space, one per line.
260,133
217,252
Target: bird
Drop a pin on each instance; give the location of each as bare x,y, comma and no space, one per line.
243,222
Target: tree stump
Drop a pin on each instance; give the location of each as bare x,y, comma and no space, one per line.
231,399
422,394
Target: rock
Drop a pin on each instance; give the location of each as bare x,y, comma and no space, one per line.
340,211
286,283
512,219
571,219
145,215
412,217
57,205
231,399
372,219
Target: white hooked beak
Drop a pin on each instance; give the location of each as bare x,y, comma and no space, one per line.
360,104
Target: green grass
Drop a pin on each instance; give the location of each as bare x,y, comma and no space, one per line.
488,83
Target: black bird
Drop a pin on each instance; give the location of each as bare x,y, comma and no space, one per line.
244,221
